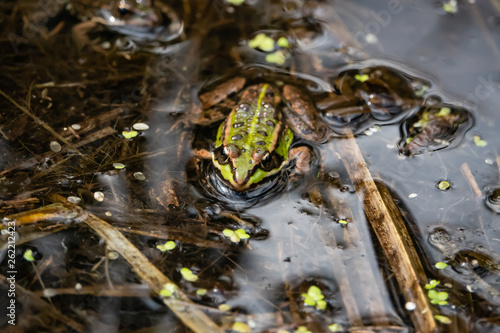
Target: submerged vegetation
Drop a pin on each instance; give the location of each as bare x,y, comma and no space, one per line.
249,166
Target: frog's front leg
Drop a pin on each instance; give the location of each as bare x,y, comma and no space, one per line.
304,158
202,154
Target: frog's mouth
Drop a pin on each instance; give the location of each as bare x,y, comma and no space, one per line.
214,185
242,177
251,178
257,178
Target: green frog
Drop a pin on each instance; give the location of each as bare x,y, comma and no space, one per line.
254,142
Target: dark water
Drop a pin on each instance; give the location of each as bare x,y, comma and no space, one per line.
106,79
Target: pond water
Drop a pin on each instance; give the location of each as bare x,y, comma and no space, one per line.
109,116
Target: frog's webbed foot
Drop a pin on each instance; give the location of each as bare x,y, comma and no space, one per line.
334,101
304,157
302,116
80,33
209,117
187,119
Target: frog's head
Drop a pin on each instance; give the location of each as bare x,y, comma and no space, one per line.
253,142
142,19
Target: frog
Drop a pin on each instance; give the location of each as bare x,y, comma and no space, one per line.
139,20
369,95
254,142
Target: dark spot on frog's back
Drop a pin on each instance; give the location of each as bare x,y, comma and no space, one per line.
236,125
261,143
270,123
263,133
237,137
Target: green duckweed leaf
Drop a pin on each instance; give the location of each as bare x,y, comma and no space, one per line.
335,328
479,142
432,284
201,292
277,58
28,255
129,134
308,300
302,329
241,327
444,111
119,166
443,319
236,2
168,289
444,185
362,77
320,305
242,234
441,265
233,237
224,307
263,42
315,293
188,275
168,246
283,42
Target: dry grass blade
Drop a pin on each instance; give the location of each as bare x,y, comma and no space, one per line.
187,311
400,259
31,300
40,122
182,306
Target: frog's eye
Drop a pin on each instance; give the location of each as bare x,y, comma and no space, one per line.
223,154
267,162
124,9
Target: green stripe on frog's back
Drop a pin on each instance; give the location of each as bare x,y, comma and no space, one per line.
255,119
254,122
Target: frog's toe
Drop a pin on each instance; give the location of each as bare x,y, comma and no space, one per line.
304,158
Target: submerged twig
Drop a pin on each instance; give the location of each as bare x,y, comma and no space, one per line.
398,256
470,179
180,304
33,300
40,122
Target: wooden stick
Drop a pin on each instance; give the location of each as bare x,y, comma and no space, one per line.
369,287
387,233
102,133
90,124
400,225
470,179
181,305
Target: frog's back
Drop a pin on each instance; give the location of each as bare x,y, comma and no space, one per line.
255,121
